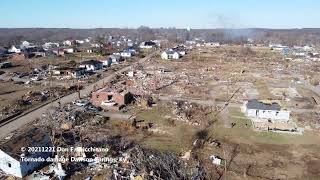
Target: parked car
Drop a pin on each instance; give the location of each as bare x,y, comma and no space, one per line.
81,103
35,78
93,108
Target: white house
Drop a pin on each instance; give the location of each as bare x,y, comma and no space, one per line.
92,65
24,45
67,43
87,40
115,58
170,54
69,72
106,62
68,50
14,156
13,49
126,54
277,47
79,41
49,45
212,44
260,110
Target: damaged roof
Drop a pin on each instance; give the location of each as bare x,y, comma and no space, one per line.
34,137
255,104
91,62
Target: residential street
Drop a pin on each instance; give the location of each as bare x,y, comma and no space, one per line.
21,121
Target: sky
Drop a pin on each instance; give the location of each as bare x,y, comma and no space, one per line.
195,14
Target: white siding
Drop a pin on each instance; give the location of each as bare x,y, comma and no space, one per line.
5,160
164,55
268,114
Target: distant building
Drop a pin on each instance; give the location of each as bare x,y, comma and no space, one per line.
170,54
106,62
148,45
58,52
67,43
49,45
212,44
126,54
69,72
277,47
24,45
13,49
115,58
68,50
108,96
79,41
12,152
260,110
92,65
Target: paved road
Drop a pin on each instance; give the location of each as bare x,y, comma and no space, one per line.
30,117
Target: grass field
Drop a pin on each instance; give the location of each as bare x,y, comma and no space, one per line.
244,133
179,136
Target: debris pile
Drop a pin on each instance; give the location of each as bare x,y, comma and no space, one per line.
191,113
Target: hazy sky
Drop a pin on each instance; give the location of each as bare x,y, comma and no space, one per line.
160,13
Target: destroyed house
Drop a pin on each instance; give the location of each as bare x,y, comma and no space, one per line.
256,109
92,65
115,58
4,65
106,62
13,151
148,45
126,54
69,72
108,95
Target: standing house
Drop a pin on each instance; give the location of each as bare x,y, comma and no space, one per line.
67,43
24,45
58,52
92,65
105,95
69,72
13,156
106,62
115,58
170,54
13,49
126,54
212,44
68,50
260,110
49,45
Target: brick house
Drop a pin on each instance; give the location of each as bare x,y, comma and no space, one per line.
119,98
